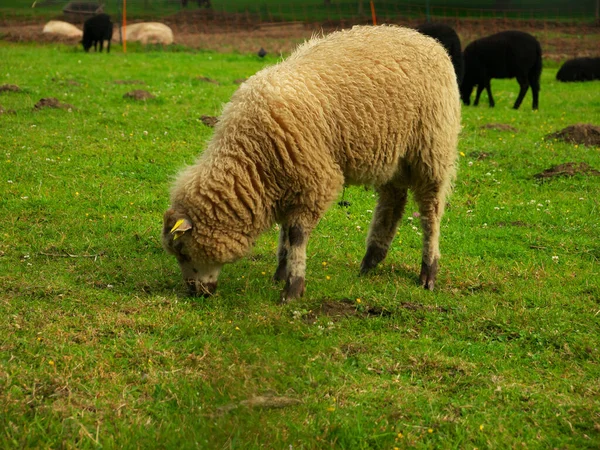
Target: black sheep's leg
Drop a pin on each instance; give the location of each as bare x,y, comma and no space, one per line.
523,86
478,94
488,88
108,46
389,210
535,90
101,45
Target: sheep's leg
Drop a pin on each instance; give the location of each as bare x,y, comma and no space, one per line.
478,94
431,201
296,262
389,210
535,91
488,89
282,253
523,86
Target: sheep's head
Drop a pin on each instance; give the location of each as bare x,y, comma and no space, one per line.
180,239
466,88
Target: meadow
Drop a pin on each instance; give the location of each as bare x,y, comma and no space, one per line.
101,348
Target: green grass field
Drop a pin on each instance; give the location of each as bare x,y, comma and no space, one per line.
100,347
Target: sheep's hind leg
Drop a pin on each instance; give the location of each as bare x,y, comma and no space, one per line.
523,86
282,253
431,201
389,210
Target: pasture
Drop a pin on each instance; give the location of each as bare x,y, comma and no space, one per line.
100,347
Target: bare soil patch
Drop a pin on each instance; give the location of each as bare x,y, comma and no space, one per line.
10,88
246,33
581,133
209,121
499,127
568,170
51,102
139,94
207,80
480,156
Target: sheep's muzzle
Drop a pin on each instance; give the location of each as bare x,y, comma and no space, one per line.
199,289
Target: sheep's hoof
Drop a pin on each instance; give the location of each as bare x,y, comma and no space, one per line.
428,274
294,288
373,257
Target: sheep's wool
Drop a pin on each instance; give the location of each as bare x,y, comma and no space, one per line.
370,105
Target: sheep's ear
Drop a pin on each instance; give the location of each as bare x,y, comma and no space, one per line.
181,224
180,227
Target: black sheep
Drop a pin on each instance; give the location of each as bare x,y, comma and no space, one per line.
507,54
579,69
446,35
96,29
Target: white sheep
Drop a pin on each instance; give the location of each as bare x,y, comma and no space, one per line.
62,28
370,105
147,33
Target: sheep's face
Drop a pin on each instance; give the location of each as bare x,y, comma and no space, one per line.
198,272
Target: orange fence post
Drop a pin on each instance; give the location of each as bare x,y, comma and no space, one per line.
373,13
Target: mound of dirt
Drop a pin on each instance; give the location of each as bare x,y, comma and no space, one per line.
580,133
52,102
209,121
499,127
10,88
567,170
139,94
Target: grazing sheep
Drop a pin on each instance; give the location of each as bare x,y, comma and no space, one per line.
451,42
149,33
579,69
96,30
507,54
62,28
370,105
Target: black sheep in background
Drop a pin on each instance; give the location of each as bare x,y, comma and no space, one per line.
446,35
507,54
579,69
96,29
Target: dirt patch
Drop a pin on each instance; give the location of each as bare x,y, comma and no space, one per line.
51,102
499,127
567,170
262,402
10,88
239,80
580,133
209,121
207,80
129,82
139,94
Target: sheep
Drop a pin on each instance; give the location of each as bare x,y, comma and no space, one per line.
62,28
149,33
451,42
373,106
96,29
579,69
507,54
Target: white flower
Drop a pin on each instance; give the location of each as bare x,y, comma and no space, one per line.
555,258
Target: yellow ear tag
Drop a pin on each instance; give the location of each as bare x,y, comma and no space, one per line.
177,224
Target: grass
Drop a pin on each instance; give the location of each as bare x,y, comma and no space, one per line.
99,347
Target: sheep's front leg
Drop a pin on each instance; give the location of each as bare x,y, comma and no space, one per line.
480,88
296,263
432,201
488,88
282,253
389,210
